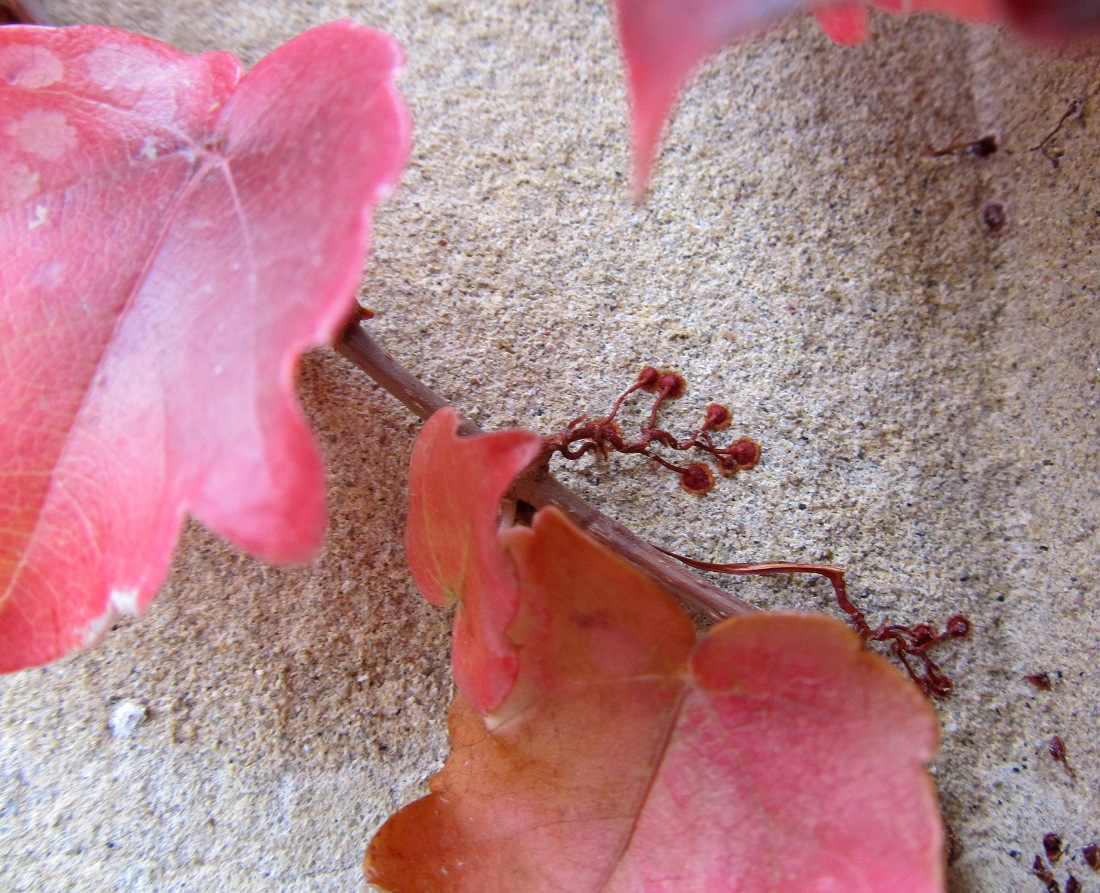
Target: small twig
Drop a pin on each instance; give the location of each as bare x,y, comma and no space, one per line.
538,488
982,147
1072,110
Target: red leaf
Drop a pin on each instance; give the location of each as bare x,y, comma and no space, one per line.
843,23
663,41
455,488
777,754
173,241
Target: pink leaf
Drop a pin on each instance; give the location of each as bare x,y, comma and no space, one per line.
173,241
777,754
455,488
663,41
843,23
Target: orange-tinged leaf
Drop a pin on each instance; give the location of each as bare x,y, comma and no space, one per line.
175,235
775,755
456,485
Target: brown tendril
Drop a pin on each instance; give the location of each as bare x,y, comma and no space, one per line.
1042,872
1072,110
909,644
604,435
982,147
1057,748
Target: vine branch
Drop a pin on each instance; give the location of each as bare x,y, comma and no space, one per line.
539,488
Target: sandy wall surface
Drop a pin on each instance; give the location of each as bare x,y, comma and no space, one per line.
926,392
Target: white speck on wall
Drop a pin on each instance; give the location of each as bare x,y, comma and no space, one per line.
39,217
97,627
44,133
125,717
30,67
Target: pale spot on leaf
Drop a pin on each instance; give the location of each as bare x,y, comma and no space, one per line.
136,78
149,148
44,133
18,183
38,218
29,67
125,601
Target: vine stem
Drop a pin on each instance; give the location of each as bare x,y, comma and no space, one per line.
538,488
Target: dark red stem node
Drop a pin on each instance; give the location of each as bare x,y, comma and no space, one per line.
1057,749
1041,681
1042,872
